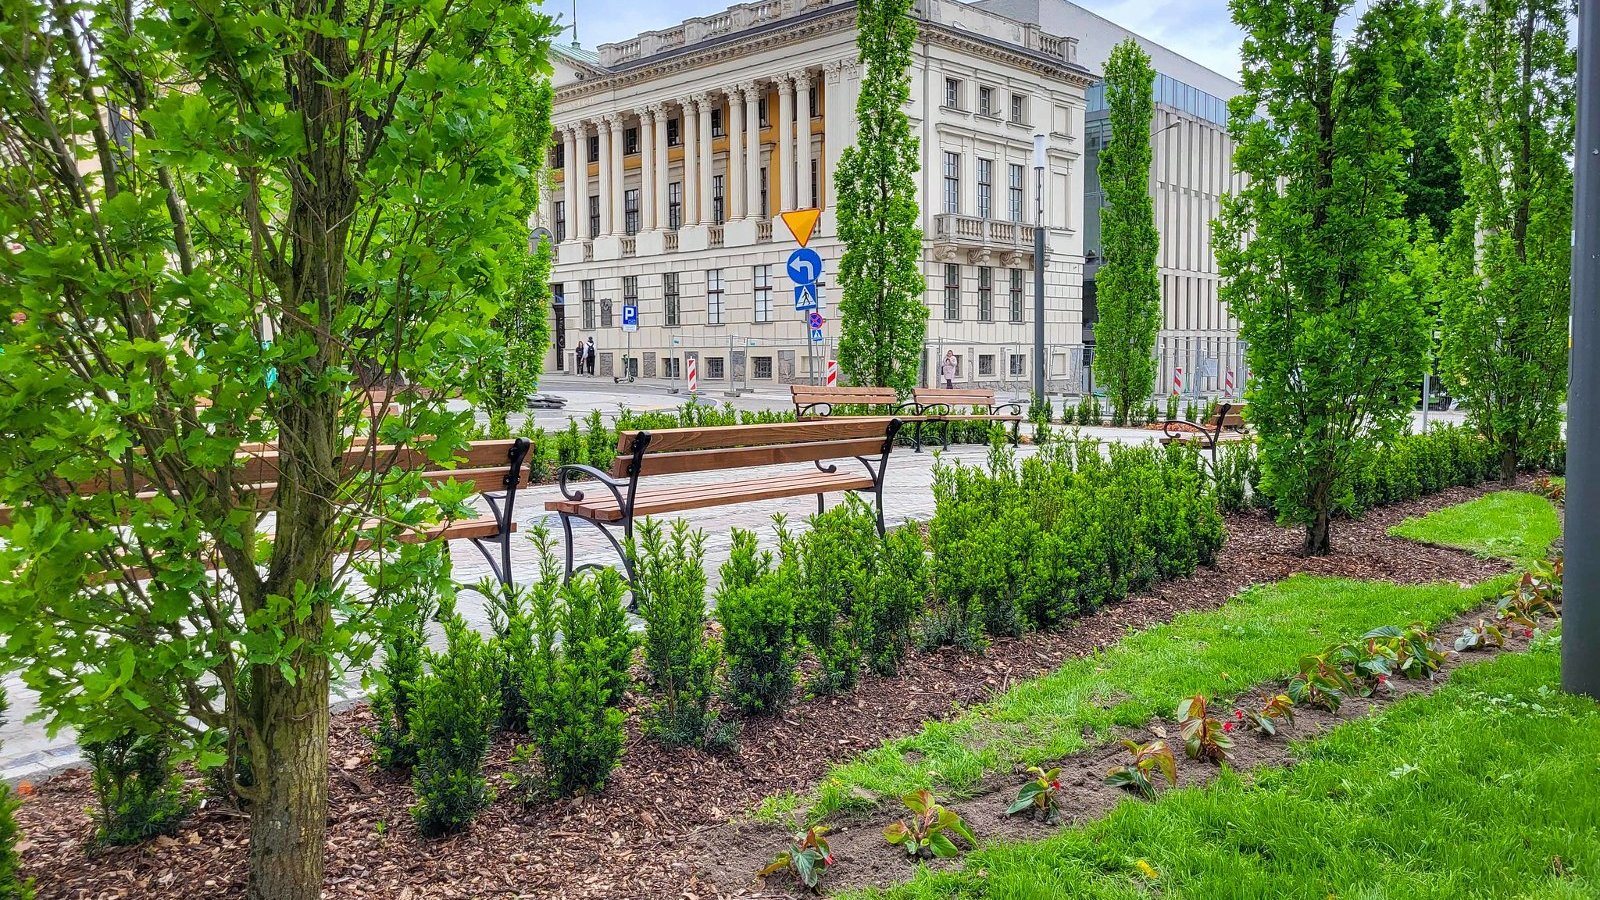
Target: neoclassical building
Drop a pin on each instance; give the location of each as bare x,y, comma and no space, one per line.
677,151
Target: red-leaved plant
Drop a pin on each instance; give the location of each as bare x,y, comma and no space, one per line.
1149,760
929,828
1204,737
1041,795
808,860
1278,710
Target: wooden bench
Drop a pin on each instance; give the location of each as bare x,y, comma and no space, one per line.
608,500
949,405
812,402
1224,423
495,468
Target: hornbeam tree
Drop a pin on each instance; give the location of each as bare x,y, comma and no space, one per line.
1506,297
1313,250
882,313
214,219
1128,287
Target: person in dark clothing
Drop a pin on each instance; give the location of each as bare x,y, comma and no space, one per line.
588,354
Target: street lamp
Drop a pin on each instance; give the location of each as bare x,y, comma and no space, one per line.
1038,268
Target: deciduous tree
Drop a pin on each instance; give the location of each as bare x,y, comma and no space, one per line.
883,316
1313,250
212,218
1505,299
1128,288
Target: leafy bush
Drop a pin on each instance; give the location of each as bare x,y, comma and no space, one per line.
408,603
927,832
12,885
456,707
513,649
1236,464
138,791
755,607
670,594
600,442
571,450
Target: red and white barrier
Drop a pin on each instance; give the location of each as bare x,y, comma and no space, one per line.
833,373
694,375
1177,380
1228,384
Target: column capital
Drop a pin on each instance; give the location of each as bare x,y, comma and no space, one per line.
655,111
785,82
697,102
751,90
836,69
611,121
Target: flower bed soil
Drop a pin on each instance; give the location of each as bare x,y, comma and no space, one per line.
639,838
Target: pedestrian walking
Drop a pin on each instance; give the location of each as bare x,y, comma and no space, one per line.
588,354
947,371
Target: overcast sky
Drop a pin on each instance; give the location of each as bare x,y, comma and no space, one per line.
1199,29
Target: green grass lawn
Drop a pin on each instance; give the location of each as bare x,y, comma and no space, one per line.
1506,524
1259,635
1484,789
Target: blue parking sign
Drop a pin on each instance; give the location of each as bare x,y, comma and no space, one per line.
630,318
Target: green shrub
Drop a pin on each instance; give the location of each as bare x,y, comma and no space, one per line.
670,596
1235,464
828,567
138,791
513,649
600,442
755,606
407,601
1152,413
456,707
571,450
1172,407
12,885
897,590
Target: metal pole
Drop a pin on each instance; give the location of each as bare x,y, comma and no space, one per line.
1038,268
1427,381
1580,641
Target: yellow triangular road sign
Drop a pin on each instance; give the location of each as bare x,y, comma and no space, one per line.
801,222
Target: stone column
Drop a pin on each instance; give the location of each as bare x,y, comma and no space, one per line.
784,125
647,168
734,184
618,177
574,172
608,177
802,141
706,157
663,173
752,160
689,131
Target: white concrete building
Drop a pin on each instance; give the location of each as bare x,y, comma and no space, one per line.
692,139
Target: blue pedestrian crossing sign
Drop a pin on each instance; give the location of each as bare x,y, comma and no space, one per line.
805,266
806,296
816,335
630,318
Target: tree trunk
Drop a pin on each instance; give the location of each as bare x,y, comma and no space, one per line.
290,821
1318,535
1508,464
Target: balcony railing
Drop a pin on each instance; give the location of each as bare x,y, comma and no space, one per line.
764,232
588,251
986,232
630,246
669,242
714,236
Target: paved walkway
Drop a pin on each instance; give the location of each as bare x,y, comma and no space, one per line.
26,752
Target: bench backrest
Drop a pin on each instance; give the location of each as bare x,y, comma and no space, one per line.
811,395
953,396
1230,416
675,450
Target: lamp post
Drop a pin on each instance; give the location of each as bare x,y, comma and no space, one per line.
1580,642
1038,268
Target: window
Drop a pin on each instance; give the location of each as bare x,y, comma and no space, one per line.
630,210
985,101
630,141
672,367
815,199
985,294
766,204
815,96
952,182
669,298
762,276
716,124
1016,192
675,205
594,148
713,296
952,93
606,320
985,364
561,220
674,136
1019,109
761,112
952,292
1016,295
985,188
630,290
715,368
717,205
594,216
763,366
558,158
588,304
1019,363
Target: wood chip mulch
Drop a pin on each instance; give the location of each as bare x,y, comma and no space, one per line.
632,841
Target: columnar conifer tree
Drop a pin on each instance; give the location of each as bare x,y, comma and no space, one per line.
1128,288
1313,251
883,315
1506,298
214,218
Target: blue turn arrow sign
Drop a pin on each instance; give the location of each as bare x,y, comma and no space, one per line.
805,266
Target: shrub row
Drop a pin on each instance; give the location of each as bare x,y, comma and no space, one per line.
12,885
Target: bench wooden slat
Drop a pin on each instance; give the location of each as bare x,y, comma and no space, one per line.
806,394
668,440
598,504
953,396
977,417
742,457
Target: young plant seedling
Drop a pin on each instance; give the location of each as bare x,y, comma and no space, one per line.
1412,648
1480,637
807,860
1154,758
1203,736
1321,682
1278,709
1041,795
928,830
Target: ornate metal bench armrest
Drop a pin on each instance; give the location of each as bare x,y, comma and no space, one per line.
1184,426
800,412
1016,408
904,406
564,478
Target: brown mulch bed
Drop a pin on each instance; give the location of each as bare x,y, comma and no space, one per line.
634,839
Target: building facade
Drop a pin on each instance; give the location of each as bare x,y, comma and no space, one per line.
677,151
